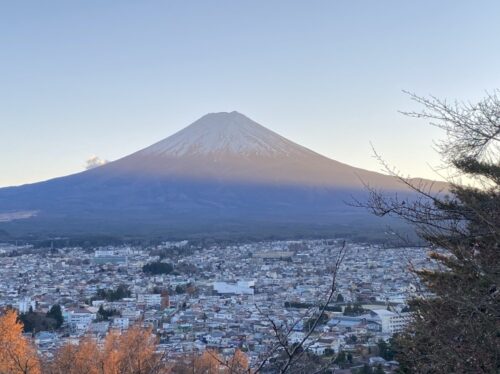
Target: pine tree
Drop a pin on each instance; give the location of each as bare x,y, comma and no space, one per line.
456,327
55,313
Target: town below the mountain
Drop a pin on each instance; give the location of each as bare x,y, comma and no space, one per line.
224,298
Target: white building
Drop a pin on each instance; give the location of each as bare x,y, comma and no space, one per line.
227,316
111,256
391,322
150,299
321,346
131,314
238,288
25,304
78,319
121,323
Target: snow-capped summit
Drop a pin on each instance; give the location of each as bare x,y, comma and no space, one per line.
222,174
225,134
230,147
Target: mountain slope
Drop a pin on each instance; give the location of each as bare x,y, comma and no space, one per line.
230,147
222,173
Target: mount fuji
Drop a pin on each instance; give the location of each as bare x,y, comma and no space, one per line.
222,175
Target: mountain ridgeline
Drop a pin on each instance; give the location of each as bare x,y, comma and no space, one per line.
223,176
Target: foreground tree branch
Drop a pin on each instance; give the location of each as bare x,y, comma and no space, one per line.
456,329
294,353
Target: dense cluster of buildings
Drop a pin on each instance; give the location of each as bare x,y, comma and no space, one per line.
219,296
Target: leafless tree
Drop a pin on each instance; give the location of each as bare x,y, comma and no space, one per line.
294,354
457,329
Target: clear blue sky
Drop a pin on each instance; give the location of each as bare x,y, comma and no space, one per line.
86,77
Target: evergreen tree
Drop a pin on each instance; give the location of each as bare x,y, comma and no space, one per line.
385,350
55,313
365,370
456,328
341,359
349,357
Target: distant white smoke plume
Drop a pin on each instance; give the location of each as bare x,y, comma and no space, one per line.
94,161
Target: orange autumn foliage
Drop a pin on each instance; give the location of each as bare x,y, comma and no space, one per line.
130,352
210,362
238,363
17,354
111,353
207,363
83,358
133,352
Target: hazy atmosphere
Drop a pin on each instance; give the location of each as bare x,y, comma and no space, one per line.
91,78
249,187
